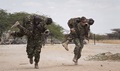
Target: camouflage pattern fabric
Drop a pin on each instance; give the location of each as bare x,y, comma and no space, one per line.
78,39
71,23
33,27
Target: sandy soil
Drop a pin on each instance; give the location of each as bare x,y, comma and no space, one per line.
56,58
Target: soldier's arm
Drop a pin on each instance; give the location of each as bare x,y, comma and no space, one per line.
90,22
87,32
17,34
70,23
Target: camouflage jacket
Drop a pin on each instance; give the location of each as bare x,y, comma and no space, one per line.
81,31
36,30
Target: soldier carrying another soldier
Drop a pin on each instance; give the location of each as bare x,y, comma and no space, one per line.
71,23
33,27
79,30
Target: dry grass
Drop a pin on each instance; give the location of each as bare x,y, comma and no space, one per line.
105,56
106,41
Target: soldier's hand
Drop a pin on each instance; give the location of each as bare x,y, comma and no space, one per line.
87,38
72,30
12,33
47,32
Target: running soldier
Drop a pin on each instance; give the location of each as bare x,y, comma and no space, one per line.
33,27
79,28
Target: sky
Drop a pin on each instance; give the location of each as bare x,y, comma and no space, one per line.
106,13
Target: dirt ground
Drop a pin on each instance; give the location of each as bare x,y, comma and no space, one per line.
56,58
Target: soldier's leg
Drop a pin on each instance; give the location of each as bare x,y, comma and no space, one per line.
68,39
77,50
30,52
75,60
17,24
37,55
81,44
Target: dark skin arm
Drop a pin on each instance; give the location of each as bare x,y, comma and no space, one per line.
18,34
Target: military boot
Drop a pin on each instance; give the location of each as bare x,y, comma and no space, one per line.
31,60
75,60
16,24
65,45
36,66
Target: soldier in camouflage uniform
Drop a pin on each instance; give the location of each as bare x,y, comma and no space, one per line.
71,23
33,27
79,30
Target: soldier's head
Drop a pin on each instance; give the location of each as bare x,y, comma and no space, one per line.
90,21
83,20
37,19
78,19
27,20
49,21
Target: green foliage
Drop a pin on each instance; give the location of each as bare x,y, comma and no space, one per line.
98,36
8,19
17,17
56,31
3,20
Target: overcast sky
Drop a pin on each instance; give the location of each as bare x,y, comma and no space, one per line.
106,13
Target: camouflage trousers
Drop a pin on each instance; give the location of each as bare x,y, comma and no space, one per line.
78,44
78,47
34,51
33,45
68,37
26,31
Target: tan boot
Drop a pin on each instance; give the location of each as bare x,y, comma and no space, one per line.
65,45
16,24
75,60
36,66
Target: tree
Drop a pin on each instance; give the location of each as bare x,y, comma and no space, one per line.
8,19
56,31
115,34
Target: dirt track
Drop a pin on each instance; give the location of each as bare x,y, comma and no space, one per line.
55,58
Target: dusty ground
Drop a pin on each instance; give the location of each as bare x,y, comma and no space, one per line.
55,58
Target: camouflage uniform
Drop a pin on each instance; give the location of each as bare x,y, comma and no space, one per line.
69,37
71,23
81,32
78,38
33,27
